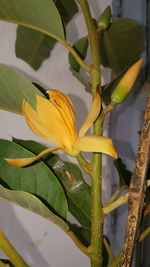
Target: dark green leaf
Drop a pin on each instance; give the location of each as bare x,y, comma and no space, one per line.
67,9
37,178
124,174
32,203
77,191
33,46
81,47
121,45
41,15
14,88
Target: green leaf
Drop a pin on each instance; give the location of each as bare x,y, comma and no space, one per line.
80,47
14,88
70,176
37,178
124,174
41,15
33,46
121,45
67,9
32,203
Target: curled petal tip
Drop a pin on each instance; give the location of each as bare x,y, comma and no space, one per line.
20,162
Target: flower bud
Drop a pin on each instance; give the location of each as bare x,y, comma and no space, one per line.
104,20
126,83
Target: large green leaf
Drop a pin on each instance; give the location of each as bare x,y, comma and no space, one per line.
14,88
77,191
122,44
80,47
33,46
36,178
32,203
41,15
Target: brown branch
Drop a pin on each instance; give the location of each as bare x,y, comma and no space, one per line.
136,191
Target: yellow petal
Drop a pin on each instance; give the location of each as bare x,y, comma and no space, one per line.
65,107
94,143
52,120
92,115
26,161
36,125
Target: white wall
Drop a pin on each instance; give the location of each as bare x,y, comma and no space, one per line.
40,242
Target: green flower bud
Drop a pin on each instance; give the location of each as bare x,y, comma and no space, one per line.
104,20
126,83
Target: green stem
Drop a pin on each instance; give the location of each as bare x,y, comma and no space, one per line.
116,194
63,42
78,243
116,261
117,203
144,234
86,166
10,251
107,246
96,176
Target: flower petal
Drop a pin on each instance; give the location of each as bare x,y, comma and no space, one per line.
26,161
94,143
35,124
92,115
52,120
65,107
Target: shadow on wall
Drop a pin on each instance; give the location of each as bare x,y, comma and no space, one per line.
17,235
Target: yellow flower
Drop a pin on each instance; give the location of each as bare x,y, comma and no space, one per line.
54,120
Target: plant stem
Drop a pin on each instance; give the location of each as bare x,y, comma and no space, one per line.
63,42
10,251
96,176
78,243
107,246
116,194
117,203
116,261
144,234
86,166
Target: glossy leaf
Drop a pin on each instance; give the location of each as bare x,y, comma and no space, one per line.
37,178
41,15
33,46
81,47
31,203
70,176
122,44
124,174
14,88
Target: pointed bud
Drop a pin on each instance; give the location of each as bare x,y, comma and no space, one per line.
126,83
104,20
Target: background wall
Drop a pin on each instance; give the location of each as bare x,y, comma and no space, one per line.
40,242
